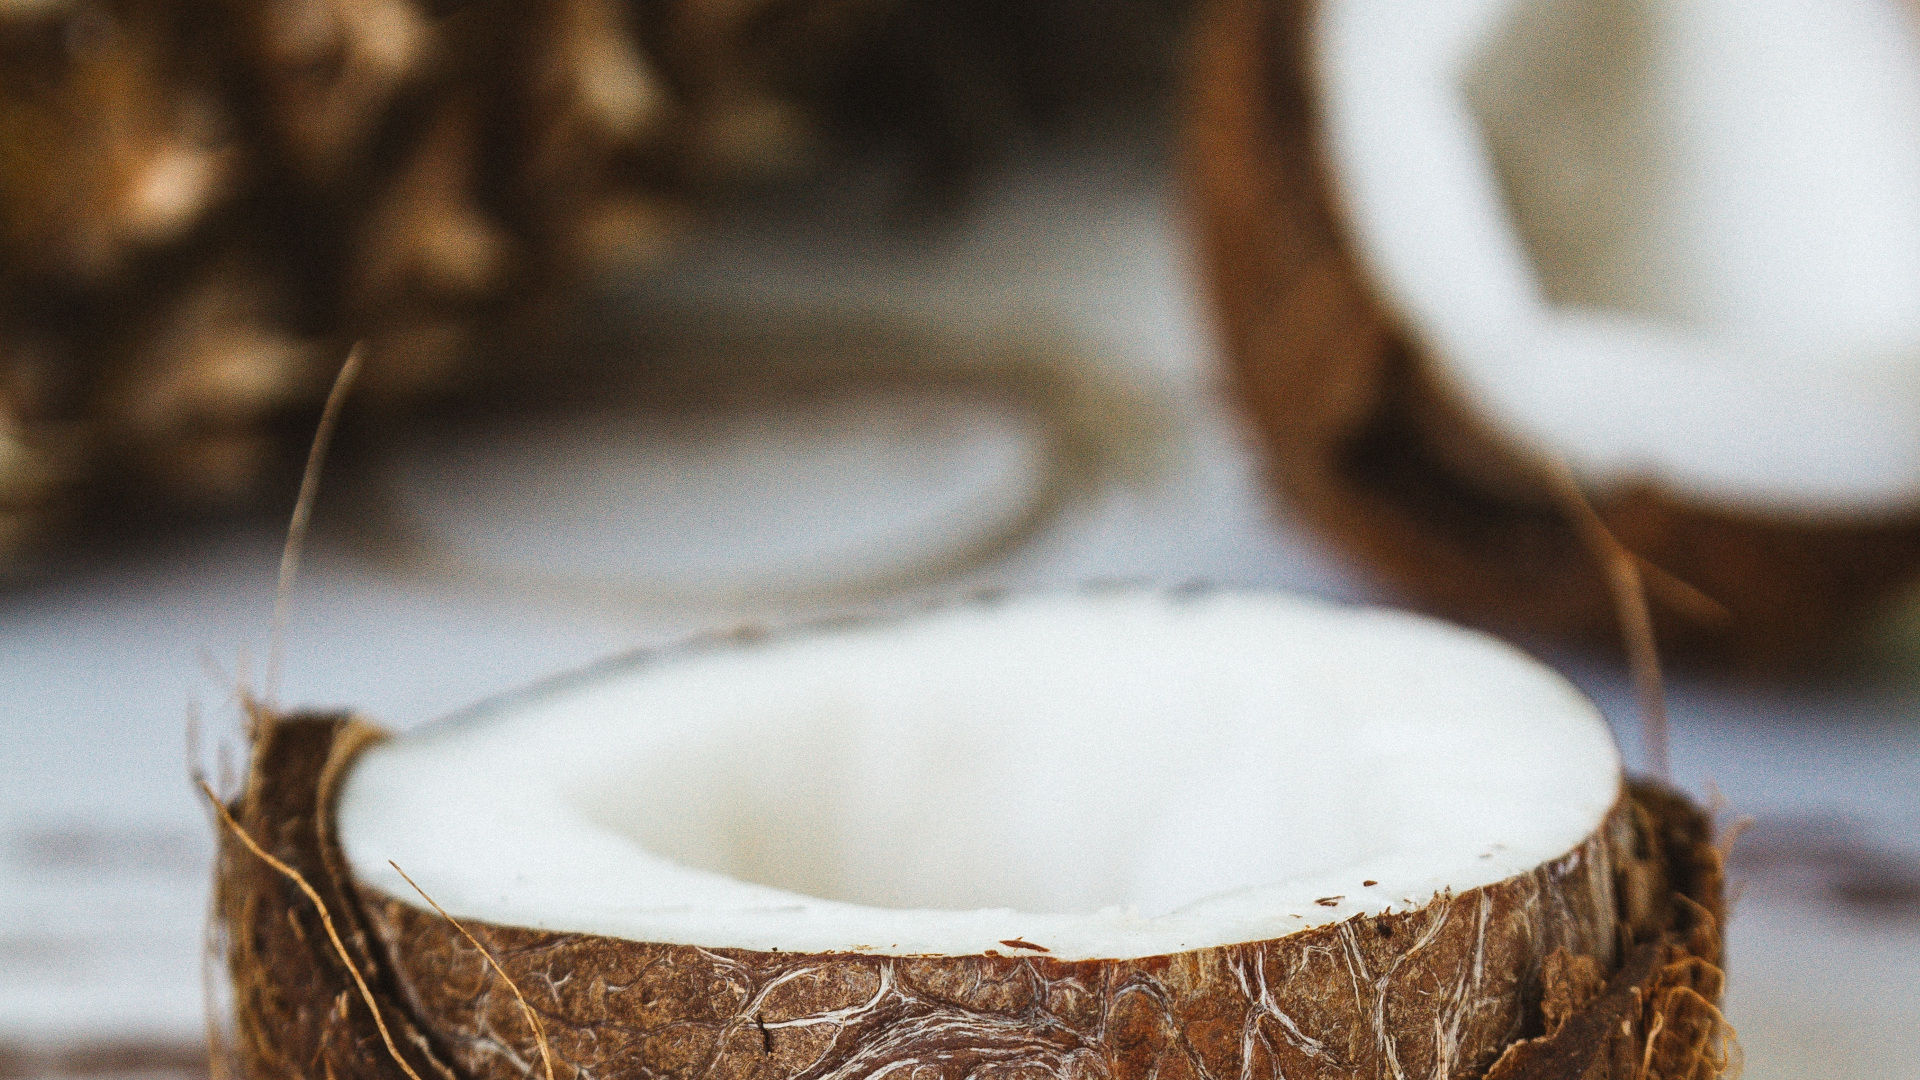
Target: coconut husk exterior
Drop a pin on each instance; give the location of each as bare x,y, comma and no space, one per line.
1377,454
204,203
1602,964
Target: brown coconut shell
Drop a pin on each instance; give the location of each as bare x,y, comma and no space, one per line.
1601,964
1381,458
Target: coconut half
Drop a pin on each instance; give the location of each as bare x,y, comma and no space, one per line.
1118,834
1672,246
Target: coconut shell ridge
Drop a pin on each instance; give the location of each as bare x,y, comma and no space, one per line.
1641,1006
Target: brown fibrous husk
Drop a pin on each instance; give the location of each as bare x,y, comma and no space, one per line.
203,203
1601,964
1382,458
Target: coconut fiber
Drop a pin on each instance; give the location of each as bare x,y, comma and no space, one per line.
203,203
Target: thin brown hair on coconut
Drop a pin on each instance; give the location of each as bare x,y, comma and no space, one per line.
1628,583
312,895
533,1018
232,827
302,516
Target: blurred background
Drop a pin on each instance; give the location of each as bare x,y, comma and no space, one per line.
677,316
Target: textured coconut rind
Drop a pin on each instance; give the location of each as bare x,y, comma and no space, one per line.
1382,458
297,1010
1562,972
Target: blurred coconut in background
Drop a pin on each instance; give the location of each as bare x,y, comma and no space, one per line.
1459,248
203,205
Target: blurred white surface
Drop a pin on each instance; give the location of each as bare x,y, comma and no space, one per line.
103,849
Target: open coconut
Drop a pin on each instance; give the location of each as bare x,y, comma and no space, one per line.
1104,835
1460,245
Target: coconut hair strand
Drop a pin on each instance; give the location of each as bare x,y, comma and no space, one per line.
326,919
303,516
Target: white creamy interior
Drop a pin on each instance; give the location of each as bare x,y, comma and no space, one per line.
1117,774
1671,239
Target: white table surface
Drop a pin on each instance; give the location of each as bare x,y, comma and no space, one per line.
103,850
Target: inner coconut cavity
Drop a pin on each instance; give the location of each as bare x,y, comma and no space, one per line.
1663,239
1090,776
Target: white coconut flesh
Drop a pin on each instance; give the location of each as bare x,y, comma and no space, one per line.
1675,240
1103,776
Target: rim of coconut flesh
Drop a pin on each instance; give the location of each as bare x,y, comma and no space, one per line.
1668,240
1098,775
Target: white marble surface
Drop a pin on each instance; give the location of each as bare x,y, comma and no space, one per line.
103,849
